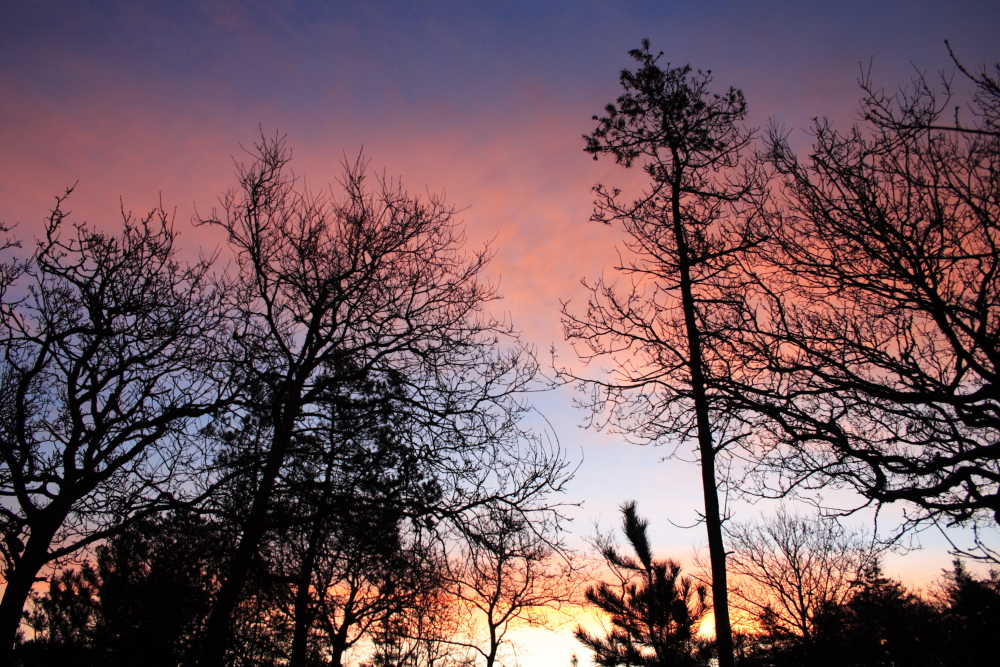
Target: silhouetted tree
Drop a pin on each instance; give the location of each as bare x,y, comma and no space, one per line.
158,581
789,569
877,308
364,571
666,332
336,290
343,550
881,623
63,620
109,356
653,611
144,600
971,609
422,634
342,541
508,571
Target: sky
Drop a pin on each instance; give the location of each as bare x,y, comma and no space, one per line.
141,102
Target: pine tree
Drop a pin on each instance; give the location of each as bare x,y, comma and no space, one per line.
654,612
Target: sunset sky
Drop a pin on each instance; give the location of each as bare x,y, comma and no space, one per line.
484,101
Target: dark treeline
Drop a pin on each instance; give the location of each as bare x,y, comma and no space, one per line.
317,451
815,598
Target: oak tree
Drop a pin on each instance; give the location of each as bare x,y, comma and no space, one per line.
334,289
879,291
110,356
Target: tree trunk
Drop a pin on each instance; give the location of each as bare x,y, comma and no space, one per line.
492,656
706,447
303,616
219,631
338,643
336,655
23,577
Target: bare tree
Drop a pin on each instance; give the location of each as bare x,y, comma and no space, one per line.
789,569
422,634
339,288
354,592
109,358
879,293
667,330
508,572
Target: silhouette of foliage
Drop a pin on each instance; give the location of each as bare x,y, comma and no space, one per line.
144,600
971,615
342,550
881,623
653,611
